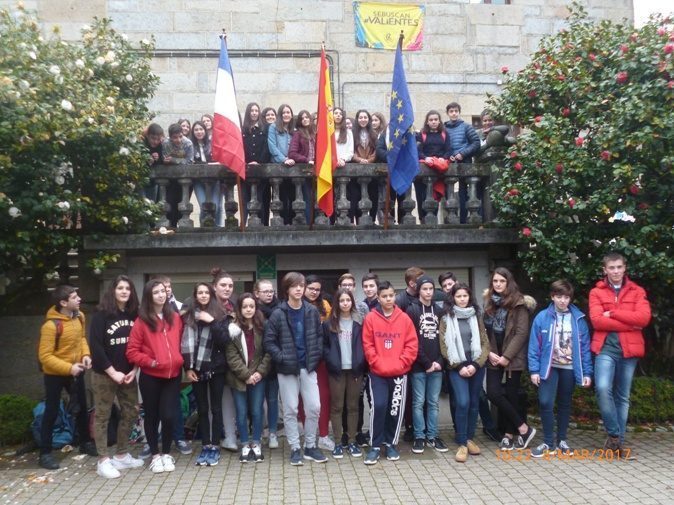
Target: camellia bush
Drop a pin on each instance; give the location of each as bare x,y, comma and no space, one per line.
72,161
593,170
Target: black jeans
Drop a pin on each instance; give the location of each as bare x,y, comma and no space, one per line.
53,385
160,398
506,399
203,390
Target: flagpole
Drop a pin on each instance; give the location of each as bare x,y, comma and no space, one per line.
242,222
387,205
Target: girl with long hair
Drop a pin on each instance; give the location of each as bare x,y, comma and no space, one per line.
278,140
378,123
203,352
345,363
254,133
248,365
114,377
202,154
302,149
507,322
343,137
465,346
207,119
154,346
364,138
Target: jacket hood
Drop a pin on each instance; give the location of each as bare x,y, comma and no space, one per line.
603,283
528,301
53,313
234,330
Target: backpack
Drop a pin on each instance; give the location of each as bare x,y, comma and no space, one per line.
64,426
59,331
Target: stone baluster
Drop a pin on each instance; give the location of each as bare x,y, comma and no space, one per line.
320,219
365,204
276,205
231,206
430,205
208,207
185,207
473,204
254,206
342,202
408,207
166,207
382,188
451,201
299,204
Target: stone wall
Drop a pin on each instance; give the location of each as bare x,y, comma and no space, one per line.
465,45
19,373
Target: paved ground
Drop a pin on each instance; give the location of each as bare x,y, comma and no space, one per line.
429,478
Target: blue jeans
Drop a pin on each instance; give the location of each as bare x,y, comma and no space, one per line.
559,385
467,397
613,381
271,395
425,390
215,197
252,399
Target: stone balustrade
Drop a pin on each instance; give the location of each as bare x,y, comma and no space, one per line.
473,178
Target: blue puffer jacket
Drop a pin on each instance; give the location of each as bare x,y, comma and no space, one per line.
463,139
541,341
279,339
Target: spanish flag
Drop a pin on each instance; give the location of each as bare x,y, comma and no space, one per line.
326,148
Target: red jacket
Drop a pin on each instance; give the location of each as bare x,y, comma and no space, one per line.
630,313
161,345
390,344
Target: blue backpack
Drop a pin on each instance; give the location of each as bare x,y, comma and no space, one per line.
64,427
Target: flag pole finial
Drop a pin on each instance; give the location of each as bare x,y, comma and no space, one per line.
223,35
402,37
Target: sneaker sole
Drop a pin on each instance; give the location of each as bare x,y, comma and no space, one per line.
341,456
309,458
445,449
357,455
537,456
528,440
297,463
418,451
392,458
371,462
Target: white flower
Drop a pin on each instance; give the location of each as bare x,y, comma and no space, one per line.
32,55
129,77
145,42
24,85
100,60
60,180
63,205
125,36
90,73
66,105
125,220
123,151
98,271
86,28
114,64
79,63
109,56
55,70
110,100
14,212
163,230
148,212
90,120
147,201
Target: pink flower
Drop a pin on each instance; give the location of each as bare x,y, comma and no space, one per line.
634,189
504,70
662,31
566,111
668,48
592,56
559,168
579,141
572,202
532,94
514,192
670,84
513,154
621,77
634,37
538,119
605,155
526,231
517,166
624,48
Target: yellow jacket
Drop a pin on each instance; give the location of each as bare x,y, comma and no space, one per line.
72,345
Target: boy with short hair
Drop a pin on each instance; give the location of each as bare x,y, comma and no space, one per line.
405,298
390,347
293,337
348,281
559,358
369,283
177,149
64,356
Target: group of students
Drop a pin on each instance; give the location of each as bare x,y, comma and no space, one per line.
325,361
280,136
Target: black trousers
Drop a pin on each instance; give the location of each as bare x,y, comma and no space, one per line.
203,390
53,385
160,401
506,399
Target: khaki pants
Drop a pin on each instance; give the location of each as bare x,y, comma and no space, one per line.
345,386
105,391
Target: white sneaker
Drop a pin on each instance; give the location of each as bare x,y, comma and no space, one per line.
230,444
273,441
127,461
157,465
168,462
105,469
326,443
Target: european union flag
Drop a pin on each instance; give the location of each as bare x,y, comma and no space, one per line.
402,156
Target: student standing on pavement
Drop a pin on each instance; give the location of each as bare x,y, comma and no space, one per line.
114,378
64,356
426,372
619,311
390,346
294,338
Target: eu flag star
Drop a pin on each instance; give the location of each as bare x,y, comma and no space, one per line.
397,133
394,95
399,104
401,117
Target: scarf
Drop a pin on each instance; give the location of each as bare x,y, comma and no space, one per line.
455,351
196,345
498,320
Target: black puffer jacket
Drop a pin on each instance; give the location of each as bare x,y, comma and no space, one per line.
279,340
333,353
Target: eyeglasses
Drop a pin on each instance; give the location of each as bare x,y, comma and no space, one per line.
348,285
313,290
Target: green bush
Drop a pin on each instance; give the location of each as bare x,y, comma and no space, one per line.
16,414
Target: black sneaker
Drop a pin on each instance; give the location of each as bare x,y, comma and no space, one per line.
418,446
437,444
296,458
506,444
314,454
49,462
89,448
362,440
523,440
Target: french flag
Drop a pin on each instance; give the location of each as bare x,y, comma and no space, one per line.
227,142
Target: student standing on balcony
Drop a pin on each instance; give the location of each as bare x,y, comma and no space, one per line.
114,377
303,150
254,132
202,347
202,154
433,142
278,141
365,151
176,150
154,346
269,116
343,138
207,119
313,293
185,126
223,284
153,137
507,321
378,123
248,366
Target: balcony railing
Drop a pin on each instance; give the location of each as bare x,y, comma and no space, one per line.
466,184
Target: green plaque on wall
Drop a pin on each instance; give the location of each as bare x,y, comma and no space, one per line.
266,266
